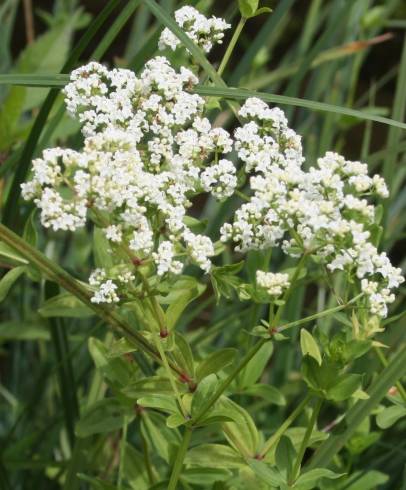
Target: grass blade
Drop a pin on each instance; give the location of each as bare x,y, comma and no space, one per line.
115,28
65,370
59,80
241,94
398,113
231,93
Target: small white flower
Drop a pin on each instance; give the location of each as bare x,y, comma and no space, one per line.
205,32
219,179
164,259
274,283
200,248
106,293
114,233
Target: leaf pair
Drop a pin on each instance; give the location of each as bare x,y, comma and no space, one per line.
249,8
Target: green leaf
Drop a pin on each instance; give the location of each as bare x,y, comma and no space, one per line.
248,7
117,370
10,256
9,279
103,256
267,392
120,348
262,10
166,403
135,470
318,378
361,441
65,305
23,331
296,435
365,481
148,386
204,389
175,420
105,415
241,433
390,415
10,112
255,367
309,479
285,456
269,475
30,234
183,355
309,346
326,381
224,279
158,435
205,476
142,311
346,385
196,225
175,309
215,362
214,456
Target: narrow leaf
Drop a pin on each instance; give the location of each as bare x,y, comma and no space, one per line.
309,346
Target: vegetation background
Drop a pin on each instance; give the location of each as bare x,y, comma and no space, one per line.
347,53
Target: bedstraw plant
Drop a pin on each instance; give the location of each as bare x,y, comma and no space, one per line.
234,348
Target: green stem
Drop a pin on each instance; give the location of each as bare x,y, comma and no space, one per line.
169,373
243,196
225,384
123,443
306,439
384,363
286,424
177,467
231,46
56,274
321,314
147,460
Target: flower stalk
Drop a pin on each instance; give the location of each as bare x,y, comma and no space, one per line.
177,467
231,46
272,441
306,439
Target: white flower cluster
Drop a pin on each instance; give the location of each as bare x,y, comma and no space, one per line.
220,179
106,288
203,31
323,210
147,149
273,283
